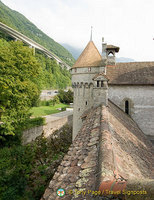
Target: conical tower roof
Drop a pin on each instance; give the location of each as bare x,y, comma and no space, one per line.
90,57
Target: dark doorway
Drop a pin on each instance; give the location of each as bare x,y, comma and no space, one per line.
127,107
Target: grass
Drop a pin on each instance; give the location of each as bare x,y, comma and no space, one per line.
46,110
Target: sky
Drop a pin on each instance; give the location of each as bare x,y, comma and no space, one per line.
128,24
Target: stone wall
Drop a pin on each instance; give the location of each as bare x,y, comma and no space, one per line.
47,130
141,99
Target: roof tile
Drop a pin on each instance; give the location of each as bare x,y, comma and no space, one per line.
90,57
133,73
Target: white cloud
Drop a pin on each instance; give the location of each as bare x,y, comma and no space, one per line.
126,23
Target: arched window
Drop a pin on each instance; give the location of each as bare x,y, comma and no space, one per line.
127,107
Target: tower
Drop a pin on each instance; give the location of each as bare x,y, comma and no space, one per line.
89,83
108,53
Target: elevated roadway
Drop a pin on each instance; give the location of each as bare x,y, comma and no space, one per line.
19,36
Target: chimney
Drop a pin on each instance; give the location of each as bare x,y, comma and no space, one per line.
104,46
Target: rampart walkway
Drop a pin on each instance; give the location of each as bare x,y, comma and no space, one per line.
109,154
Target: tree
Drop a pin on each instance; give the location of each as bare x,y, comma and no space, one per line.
19,85
65,97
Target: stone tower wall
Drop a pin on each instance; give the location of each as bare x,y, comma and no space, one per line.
100,96
83,84
83,100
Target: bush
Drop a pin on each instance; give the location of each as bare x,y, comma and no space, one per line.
33,122
54,101
50,102
10,140
15,165
65,97
25,171
63,109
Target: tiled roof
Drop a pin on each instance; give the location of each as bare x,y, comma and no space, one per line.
79,166
109,147
90,57
132,151
133,73
110,47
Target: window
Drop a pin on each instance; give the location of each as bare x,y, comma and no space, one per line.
89,69
97,83
127,107
75,69
86,103
101,83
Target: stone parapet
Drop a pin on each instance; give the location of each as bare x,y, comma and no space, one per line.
53,122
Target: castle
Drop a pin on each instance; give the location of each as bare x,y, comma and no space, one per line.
97,78
113,115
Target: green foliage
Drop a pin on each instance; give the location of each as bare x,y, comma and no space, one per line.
52,75
25,171
20,87
20,23
63,109
54,101
65,97
14,169
33,122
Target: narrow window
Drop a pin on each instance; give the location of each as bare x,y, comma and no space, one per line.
86,102
97,83
78,109
127,107
101,83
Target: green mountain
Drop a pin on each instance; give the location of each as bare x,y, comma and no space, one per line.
20,23
73,50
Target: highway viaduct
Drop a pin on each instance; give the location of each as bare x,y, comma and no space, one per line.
32,44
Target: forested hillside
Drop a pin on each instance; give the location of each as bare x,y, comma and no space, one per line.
20,23
52,75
